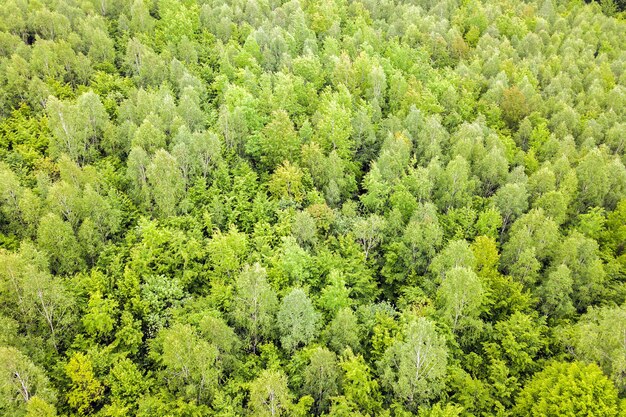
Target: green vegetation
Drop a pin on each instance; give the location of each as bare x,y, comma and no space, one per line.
312,208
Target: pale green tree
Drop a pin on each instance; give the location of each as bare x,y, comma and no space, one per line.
298,322
166,181
255,304
460,296
189,363
22,382
269,394
321,377
414,367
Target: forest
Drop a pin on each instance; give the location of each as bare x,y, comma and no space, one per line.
341,208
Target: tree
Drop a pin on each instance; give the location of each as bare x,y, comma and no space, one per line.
514,105
189,362
359,386
22,383
368,232
286,183
127,383
394,156
227,251
517,342
460,296
214,329
556,293
598,337
141,21
137,171
255,304
455,185
43,302
335,295
297,320
304,228
166,181
269,394
333,125
343,331
512,201
456,254
206,149
581,255
414,368
568,389
423,235
77,128
86,389
321,378
278,141
149,136
57,238
295,262
531,230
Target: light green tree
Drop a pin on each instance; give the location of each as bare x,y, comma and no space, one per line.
321,377
297,320
414,367
23,385
460,296
166,182
255,304
269,394
568,389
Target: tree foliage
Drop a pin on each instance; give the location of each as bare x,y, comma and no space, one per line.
312,208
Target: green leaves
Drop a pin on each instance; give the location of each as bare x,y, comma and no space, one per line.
189,363
568,389
255,304
269,394
23,385
76,128
414,367
598,337
303,208
86,389
298,322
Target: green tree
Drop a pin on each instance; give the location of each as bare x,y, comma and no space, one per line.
460,295
414,367
57,238
368,232
85,390
166,181
343,331
77,128
512,201
44,303
23,385
556,293
127,383
189,362
568,389
255,304
269,394
359,386
278,141
298,322
455,185
321,377
598,337
286,183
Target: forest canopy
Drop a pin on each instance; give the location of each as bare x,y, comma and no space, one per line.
312,208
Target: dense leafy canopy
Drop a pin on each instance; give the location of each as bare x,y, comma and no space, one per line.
312,208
